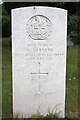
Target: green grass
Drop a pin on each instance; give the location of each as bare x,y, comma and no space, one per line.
0,81
71,87
72,82
6,78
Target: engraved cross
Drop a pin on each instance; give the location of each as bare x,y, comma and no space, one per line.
39,74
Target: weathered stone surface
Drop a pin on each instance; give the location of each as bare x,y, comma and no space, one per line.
39,60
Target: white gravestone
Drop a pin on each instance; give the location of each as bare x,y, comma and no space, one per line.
39,60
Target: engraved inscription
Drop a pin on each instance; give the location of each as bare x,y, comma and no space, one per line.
39,27
39,51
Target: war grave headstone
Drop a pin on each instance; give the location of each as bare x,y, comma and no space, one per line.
39,60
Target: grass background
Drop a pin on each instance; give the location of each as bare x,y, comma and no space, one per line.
0,79
71,80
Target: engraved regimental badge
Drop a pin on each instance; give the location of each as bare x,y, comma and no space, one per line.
39,27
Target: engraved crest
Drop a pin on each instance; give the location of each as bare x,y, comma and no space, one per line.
39,27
